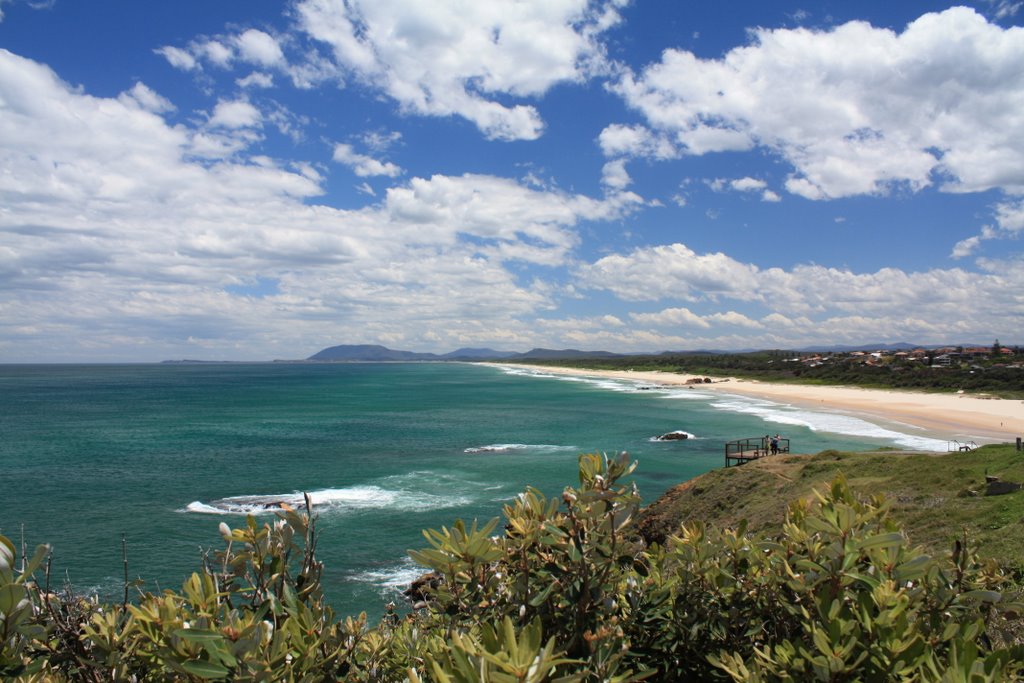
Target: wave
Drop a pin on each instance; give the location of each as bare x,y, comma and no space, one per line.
336,500
611,384
514,447
834,423
395,577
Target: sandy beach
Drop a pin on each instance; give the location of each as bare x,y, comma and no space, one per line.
951,416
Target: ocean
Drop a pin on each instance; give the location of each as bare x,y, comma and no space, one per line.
164,453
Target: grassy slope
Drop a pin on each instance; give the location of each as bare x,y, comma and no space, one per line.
927,492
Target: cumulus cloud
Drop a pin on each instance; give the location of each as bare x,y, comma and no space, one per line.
363,165
671,317
828,299
748,184
448,58
614,175
118,244
854,109
635,141
235,114
142,96
178,58
672,271
1010,216
258,47
252,48
257,79
965,247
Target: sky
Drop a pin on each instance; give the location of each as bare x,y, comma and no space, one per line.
259,180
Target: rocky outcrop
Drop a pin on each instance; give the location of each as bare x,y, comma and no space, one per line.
675,436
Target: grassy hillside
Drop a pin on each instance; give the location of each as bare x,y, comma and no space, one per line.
931,495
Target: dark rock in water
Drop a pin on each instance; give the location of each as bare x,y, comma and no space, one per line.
674,436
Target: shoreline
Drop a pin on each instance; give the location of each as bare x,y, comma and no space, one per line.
948,417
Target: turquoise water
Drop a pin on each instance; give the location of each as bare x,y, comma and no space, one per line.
164,453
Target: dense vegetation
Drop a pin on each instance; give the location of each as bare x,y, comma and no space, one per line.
995,374
567,592
934,497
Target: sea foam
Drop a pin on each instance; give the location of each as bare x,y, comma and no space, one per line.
397,576
516,447
819,421
335,500
768,411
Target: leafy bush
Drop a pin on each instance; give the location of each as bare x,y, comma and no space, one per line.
567,592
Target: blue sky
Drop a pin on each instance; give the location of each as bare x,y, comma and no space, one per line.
260,180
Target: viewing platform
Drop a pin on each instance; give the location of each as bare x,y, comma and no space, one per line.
744,450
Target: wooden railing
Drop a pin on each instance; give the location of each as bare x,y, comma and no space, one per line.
743,450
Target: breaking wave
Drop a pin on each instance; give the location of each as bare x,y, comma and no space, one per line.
341,500
518,447
391,580
816,421
610,384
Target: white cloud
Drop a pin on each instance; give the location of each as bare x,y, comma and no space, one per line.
856,109
745,184
235,114
215,51
1009,221
1004,9
735,319
362,165
1010,216
671,317
748,184
142,96
826,296
381,140
260,48
635,141
445,57
672,271
118,245
178,58
965,247
252,47
257,79
615,176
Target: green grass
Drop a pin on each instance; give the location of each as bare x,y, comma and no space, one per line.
937,498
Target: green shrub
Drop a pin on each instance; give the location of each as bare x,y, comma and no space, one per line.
566,593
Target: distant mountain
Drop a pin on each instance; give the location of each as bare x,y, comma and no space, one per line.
368,352
562,354
478,354
899,346
375,352
378,353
